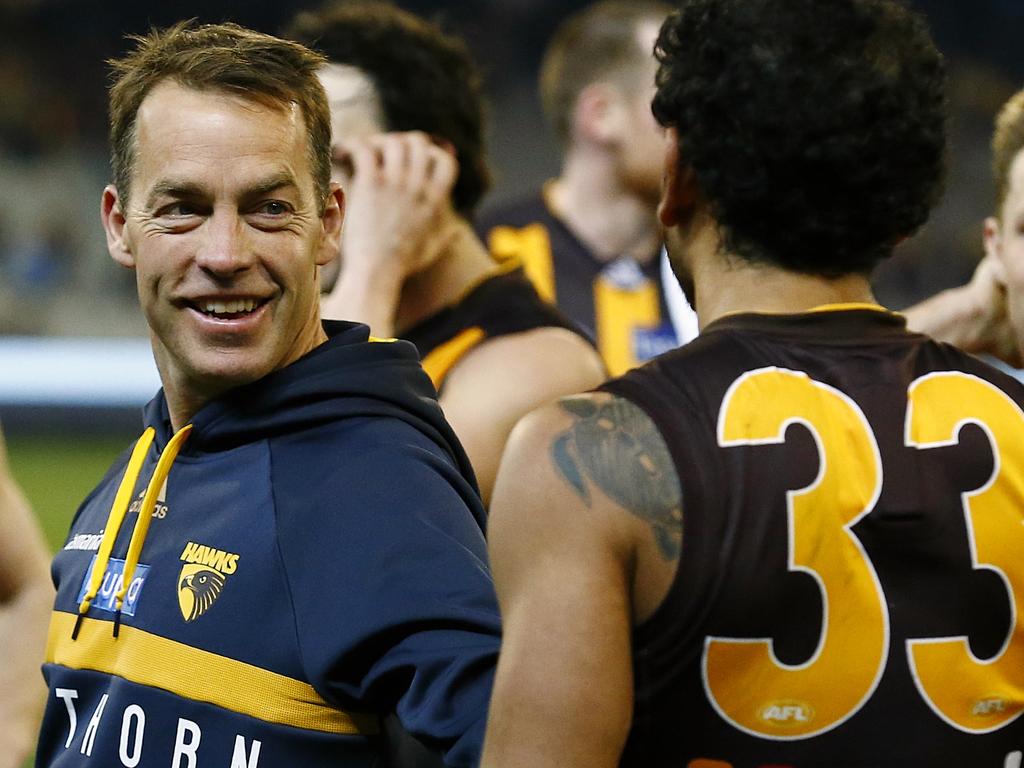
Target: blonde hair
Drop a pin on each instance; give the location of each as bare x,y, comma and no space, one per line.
598,43
1007,142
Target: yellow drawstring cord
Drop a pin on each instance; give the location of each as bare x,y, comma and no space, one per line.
156,482
118,511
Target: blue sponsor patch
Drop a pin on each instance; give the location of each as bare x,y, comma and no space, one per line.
651,342
112,581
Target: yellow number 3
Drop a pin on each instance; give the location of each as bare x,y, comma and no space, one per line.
972,694
745,681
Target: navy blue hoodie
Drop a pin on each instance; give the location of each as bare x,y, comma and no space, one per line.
313,562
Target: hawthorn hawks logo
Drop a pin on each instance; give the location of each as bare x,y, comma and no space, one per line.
202,578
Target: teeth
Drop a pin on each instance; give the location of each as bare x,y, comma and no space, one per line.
229,307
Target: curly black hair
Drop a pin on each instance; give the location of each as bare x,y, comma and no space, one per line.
816,129
426,80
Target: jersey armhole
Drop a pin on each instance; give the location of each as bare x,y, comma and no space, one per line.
687,592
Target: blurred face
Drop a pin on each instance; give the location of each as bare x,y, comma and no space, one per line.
641,156
690,232
355,113
224,234
355,109
1004,240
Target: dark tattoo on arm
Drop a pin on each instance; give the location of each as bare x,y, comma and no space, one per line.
614,445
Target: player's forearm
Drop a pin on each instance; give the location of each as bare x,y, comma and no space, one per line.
540,727
367,294
26,600
954,316
23,623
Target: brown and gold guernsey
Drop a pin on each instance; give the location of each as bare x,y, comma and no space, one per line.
502,304
851,587
620,303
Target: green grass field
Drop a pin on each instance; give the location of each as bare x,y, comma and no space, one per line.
56,474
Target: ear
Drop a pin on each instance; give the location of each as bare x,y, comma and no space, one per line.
678,186
331,221
599,114
112,215
993,240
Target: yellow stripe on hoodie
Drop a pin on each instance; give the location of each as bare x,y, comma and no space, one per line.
192,673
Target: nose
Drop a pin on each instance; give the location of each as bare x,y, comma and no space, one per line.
224,248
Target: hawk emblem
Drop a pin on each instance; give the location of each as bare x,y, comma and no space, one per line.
199,586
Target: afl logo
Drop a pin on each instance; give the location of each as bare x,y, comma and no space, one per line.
786,713
993,705
202,578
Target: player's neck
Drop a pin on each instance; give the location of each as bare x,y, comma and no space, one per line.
728,285
609,219
461,266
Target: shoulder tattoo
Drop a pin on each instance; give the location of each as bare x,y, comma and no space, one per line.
614,445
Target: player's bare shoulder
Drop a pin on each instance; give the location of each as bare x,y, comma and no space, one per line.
537,365
612,446
592,471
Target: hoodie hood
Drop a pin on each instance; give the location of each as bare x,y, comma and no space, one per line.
348,376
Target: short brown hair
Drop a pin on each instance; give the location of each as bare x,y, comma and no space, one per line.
1007,142
225,57
593,44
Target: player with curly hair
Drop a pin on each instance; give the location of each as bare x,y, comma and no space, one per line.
795,541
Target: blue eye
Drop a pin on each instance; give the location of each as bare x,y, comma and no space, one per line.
180,210
274,208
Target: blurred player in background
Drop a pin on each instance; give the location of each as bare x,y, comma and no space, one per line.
590,239
25,599
796,541
1004,232
407,119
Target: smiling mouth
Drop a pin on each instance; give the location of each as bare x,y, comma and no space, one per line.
231,309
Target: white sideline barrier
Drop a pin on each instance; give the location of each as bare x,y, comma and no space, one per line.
90,372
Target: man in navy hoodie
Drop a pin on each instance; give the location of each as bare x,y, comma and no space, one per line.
292,552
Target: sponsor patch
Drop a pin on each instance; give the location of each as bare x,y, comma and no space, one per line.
651,342
86,542
112,581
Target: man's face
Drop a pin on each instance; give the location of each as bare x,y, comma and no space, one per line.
223,231
641,156
1004,240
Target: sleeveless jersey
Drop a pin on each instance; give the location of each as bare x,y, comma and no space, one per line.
501,304
620,304
851,587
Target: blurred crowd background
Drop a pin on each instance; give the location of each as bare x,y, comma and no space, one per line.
55,276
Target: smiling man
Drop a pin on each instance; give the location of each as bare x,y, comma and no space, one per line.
248,585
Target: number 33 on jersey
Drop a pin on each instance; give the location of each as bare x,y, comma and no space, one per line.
744,679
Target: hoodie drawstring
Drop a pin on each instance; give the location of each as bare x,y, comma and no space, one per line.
119,510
